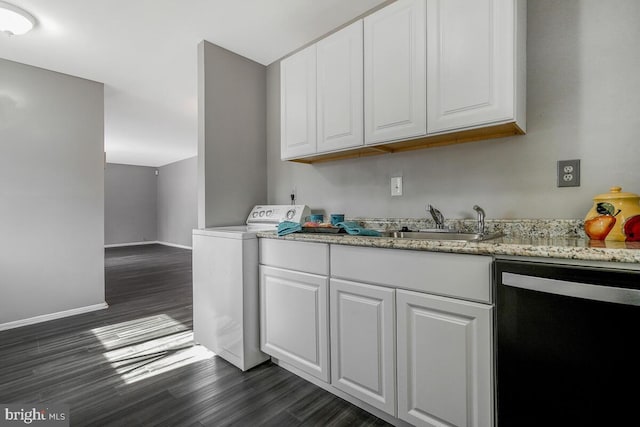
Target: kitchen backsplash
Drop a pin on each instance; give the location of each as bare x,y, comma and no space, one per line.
510,227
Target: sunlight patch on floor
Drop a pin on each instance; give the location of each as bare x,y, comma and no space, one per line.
142,348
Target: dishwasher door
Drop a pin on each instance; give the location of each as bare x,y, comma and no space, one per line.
567,350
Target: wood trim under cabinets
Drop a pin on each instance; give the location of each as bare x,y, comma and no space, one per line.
469,135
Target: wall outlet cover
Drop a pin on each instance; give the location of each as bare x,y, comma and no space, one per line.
569,173
396,186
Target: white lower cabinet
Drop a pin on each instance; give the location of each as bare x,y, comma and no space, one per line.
444,361
294,319
404,334
363,342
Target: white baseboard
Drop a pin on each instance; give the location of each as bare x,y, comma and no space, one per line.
153,242
174,245
52,316
119,245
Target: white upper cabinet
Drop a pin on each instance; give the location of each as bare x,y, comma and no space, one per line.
395,72
413,74
471,63
339,89
298,104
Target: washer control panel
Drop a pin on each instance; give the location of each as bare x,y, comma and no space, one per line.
275,214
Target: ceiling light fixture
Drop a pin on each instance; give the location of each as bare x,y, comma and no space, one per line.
15,21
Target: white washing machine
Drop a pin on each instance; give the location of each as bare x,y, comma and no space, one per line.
225,284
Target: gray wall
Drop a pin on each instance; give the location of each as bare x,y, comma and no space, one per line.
583,102
51,192
130,204
143,207
232,171
178,201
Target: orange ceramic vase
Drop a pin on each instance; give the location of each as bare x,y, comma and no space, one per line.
615,216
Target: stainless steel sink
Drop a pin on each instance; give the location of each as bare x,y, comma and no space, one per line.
441,235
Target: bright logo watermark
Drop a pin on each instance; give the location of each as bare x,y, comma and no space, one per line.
53,415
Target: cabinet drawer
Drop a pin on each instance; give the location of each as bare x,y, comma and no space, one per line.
455,275
300,256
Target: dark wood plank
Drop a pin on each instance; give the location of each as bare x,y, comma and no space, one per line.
136,364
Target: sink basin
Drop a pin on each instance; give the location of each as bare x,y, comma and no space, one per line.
441,235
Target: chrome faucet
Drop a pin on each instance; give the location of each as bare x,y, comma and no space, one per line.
437,216
480,218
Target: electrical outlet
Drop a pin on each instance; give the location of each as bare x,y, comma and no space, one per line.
569,173
396,186
293,195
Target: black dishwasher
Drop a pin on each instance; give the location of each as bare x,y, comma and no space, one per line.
567,345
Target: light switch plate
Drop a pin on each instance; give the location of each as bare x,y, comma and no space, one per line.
396,186
569,173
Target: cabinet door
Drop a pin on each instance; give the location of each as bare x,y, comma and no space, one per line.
395,72
470,57
340,87
444,361
294,324
298,104
363,342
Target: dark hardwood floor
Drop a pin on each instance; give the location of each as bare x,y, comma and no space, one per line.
135,364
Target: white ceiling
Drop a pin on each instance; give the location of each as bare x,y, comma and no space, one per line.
145,52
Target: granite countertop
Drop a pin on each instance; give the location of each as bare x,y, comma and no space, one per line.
558,239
